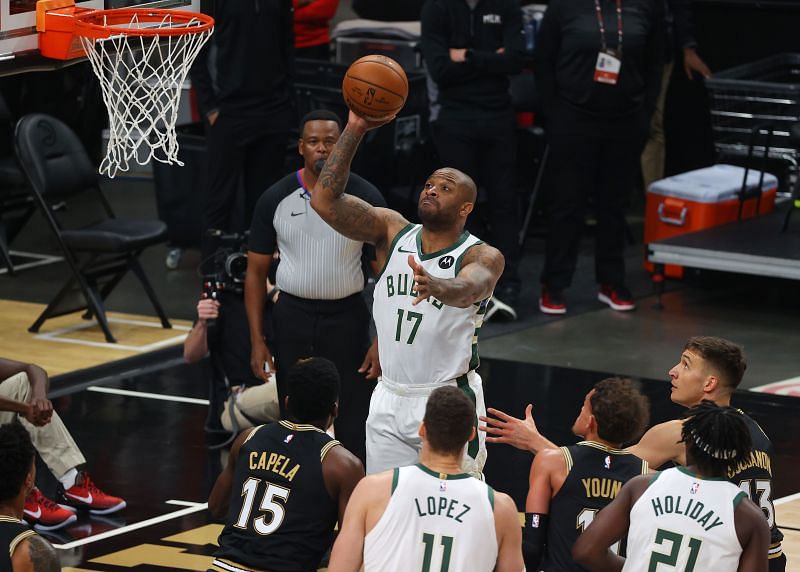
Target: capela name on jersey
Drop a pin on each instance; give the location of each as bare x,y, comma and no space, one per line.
277,463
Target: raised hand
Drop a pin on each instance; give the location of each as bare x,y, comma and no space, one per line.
520,433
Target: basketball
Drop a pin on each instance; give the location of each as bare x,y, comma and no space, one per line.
375,87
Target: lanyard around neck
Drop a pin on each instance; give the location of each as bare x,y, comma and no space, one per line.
601,23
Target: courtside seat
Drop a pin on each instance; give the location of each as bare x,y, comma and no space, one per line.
99,254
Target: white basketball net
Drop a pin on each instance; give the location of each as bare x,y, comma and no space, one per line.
141,77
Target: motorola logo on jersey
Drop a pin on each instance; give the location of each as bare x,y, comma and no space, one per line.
446,262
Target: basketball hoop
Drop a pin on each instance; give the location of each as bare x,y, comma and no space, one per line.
141,57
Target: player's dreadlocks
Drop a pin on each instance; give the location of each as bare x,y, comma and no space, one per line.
716,438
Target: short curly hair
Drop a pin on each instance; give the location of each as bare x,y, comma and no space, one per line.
16,458
621,411
313,389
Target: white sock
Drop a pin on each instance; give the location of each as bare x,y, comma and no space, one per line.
68,479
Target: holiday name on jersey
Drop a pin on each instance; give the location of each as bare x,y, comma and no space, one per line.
441,506
275,462
691,509
403,285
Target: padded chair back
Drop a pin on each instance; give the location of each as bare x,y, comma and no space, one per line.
53,158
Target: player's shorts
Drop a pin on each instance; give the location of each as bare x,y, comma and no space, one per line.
395,412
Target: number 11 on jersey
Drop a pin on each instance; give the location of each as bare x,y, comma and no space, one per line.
447,548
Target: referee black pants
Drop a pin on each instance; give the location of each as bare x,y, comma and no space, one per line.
339,331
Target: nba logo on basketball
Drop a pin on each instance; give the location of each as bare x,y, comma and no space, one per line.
289,438
607,462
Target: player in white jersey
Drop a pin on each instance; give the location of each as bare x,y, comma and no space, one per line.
431,516
686,518
430,298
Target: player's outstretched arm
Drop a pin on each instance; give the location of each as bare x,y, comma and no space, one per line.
220,496
349,215
520,433
660,444
481,268
592,549
753,533
509,535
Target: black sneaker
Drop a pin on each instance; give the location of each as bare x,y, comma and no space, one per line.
618,298
552,302
500,311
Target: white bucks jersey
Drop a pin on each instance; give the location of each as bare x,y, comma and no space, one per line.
430,342
685,522
434,523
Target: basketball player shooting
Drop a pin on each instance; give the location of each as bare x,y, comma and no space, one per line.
429,300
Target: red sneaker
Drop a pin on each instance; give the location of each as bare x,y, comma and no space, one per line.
45,514
85,494
618,298
552,302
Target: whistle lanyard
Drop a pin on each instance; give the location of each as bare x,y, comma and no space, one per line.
599,12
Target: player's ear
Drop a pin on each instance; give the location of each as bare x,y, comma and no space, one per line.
423,431
711,383
335,410
472,434
300,146
30,478
466,208
286,403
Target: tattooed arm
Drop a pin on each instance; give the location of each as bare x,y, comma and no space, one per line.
482,267
35,554
347,214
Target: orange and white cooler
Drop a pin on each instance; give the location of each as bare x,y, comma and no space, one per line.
702,199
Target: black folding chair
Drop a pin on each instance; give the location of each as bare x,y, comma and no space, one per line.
99,254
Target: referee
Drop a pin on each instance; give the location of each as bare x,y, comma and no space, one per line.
320,310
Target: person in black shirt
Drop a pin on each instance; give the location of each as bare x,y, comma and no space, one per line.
321,310
471,49
20,547
569,485
598,71
247,105
286,484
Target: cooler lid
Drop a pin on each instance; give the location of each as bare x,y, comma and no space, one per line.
712,184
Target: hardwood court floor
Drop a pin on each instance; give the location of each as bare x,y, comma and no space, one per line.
148,445
69,343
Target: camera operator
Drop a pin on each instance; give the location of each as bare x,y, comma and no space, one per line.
221,331
321,311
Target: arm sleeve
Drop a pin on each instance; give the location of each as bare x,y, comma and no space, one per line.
683,22
510,61
654,58
200,75
318,10
436,49
263,238
534,539
548,43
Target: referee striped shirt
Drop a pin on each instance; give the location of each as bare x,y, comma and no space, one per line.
317,263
